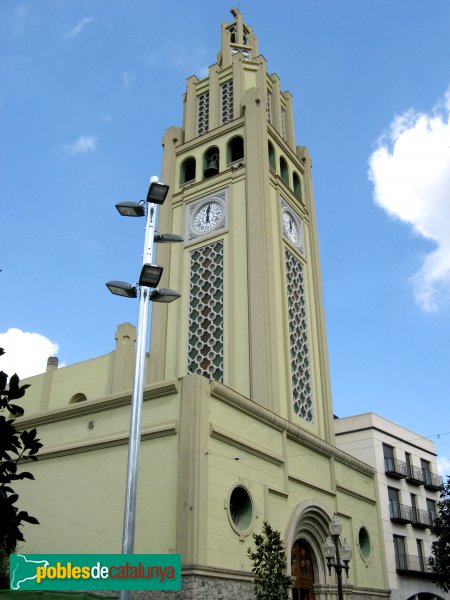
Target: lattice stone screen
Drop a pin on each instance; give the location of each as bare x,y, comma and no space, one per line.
205,340
298,335
203,113
226,91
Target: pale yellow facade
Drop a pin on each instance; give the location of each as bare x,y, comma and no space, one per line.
237,415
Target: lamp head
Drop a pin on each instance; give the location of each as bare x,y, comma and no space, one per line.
328,548
346,552
335,526
150,275
157,192
131,209
167,238
164,295
122,288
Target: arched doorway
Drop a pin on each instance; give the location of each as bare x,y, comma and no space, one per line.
303,571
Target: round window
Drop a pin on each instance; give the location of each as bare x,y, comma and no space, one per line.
240,508
364,543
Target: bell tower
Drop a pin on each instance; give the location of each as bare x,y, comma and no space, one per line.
241,195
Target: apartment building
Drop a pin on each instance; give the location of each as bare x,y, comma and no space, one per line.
408,488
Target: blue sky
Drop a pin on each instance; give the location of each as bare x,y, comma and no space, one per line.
89,87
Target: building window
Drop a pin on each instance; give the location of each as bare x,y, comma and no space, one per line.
284,170
80,397
235,149
388,452
232,29
420,556
364,543
401,561
431,507
394,503
272,160
240,509
298,335
187,170
203,113
226,93
283,124
408,463
205,337
426,471
297,186
269,106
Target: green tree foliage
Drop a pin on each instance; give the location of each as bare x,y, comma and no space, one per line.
269,565
440,549
15,445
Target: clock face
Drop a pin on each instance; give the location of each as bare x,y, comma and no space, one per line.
290,228
207,217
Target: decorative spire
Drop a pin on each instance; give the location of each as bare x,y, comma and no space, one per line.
237,37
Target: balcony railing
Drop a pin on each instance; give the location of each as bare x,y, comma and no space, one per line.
395,468
432,481
400,513
421,518
415,475
407,563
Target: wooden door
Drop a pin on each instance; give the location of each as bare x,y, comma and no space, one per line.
303,571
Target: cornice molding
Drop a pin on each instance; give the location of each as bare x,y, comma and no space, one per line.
120,439
295,433
238,442
354,494
312,486
209,136
158,390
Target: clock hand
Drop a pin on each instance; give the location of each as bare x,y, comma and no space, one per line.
208,210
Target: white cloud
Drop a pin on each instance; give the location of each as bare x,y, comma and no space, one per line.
85,143
128,79
25,353
410,171
443,464
79,27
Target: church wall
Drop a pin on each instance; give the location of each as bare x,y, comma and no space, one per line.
79,500
308,465
89,378
354,480
55,388
33,397
361,512
79,488
281,474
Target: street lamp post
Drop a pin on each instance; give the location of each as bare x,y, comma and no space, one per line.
332,550
149,278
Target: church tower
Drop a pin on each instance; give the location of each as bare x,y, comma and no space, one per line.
251,311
